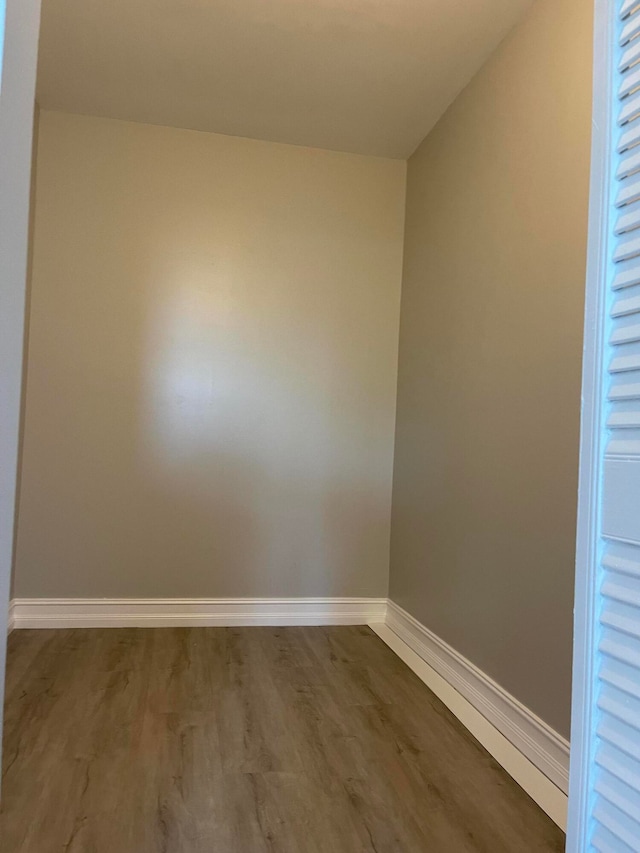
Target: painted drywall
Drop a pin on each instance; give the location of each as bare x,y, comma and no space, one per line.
18,56
212,366
367,77
486,453
27,314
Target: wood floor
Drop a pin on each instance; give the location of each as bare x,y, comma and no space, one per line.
289,740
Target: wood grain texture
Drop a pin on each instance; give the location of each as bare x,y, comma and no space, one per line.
286,740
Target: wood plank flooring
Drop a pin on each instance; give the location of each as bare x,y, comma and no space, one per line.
243,740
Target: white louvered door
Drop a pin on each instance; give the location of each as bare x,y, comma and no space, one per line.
604,809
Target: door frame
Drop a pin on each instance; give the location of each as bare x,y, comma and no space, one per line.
17,96
592,437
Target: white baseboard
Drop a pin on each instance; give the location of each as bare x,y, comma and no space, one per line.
11,620
534,754
164,612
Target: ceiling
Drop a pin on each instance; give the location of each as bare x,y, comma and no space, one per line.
368,76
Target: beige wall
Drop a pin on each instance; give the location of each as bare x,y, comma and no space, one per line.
27,315
485,480
212,366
